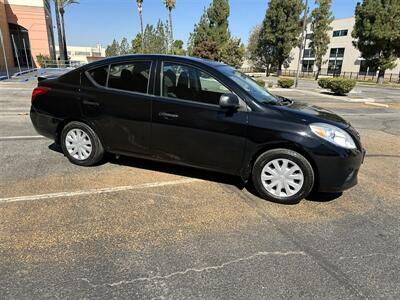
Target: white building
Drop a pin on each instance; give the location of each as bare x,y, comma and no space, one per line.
84,55
342,56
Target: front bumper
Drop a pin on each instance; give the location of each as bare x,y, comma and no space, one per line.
339,173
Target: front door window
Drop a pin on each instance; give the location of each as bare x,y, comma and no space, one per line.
190,83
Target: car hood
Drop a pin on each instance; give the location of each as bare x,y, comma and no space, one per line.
312,114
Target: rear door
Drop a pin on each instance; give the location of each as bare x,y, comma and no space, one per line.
189,126
116,99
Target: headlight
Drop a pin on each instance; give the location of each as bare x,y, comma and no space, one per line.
333,134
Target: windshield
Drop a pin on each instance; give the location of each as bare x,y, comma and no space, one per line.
256,91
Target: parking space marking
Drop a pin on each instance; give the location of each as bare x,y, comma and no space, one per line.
21,137
98,191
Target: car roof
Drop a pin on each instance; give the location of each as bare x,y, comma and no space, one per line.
122,58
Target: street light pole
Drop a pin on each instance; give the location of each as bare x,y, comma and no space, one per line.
302,44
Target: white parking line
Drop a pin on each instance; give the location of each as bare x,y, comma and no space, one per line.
97,191
21,137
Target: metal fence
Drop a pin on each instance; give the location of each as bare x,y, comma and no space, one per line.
366,76
60,64
45,66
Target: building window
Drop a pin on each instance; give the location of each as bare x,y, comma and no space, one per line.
309,36
308,53
337,53
335,66
342,32
367,70
308,65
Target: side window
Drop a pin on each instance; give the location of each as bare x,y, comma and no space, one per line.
99,75
132,76
189,83
208,83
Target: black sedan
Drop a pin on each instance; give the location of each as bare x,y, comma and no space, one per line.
197,113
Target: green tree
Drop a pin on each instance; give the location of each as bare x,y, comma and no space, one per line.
113,49
211,37
232,53
321,18
124,47
377,33
139,4
281,29
177,48
218,14
170,5
259,53
156,38
136,45
62,5
201,43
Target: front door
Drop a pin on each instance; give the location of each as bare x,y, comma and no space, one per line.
116,100
188,124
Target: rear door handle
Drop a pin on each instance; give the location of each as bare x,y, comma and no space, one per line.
89,102
166,115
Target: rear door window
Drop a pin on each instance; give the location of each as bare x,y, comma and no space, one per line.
99,75
133,76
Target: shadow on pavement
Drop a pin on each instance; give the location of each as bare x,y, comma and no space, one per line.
235,181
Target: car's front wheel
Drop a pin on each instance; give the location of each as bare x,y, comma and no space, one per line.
283,176
81,144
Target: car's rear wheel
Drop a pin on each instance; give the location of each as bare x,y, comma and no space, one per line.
283,176
81,144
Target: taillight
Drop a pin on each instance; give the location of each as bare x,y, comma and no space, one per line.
40,90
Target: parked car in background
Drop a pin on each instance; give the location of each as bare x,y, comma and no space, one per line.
197,113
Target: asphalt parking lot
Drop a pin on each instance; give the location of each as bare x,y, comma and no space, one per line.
141,230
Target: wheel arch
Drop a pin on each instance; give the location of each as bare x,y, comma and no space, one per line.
66,121
246,173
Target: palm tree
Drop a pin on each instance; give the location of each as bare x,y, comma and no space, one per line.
140,7
59,33
170,5
62,5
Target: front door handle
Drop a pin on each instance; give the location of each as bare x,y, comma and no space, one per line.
167,115
89,102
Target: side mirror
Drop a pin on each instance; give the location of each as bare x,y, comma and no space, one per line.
229,101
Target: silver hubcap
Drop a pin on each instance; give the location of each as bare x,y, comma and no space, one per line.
78,144
282,177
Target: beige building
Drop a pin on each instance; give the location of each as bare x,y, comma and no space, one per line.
341,57
84,55
27,31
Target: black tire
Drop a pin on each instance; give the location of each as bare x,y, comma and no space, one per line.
293,156
97,152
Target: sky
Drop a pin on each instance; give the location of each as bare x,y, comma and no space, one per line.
94,22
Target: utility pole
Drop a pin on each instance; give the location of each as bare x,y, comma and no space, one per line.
302,44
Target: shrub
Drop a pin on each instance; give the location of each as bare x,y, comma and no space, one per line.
260,82
341,86
42,59
285,83
324,82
